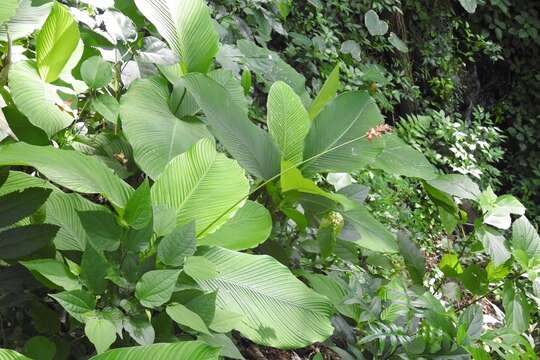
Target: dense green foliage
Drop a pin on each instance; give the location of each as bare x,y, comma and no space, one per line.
179,179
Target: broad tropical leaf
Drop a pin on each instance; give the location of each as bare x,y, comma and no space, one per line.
55,43
24,240
326,94
362,228
279,310
17,181
456,185
188,29
37,99
54,271
192,350
493,242
250,145
18,205
343,123
62,209
8,8
174,247
70,169
26,20
6,354
401,159
155,133
249,227
201,185
525,241
288,121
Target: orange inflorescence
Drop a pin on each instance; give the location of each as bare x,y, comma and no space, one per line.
378,131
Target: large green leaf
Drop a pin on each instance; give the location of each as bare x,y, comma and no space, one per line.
184,316
156,287
401,159
174,247
456,185
18,205
288,121
17,181
493,242
103,232
8,8
62,209
326,94
343,124
76,302
192,350
188,29
56,41
24,240
70,169
54,271
26,20
154,132
362,228
37,99
101,332
269,67
250,145
6,354
525,241
279,310
249,227
201,185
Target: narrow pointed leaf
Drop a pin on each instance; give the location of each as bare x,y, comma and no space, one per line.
326,94
54,271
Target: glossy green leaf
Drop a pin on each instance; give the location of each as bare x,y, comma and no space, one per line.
338,133
525,242
184,316
138,213
192,350
156,287
62,209
288,121
401,159
362,228
249,227
375,25
107,106
456,185
250,145
26,20
55,42
8,8
70,169
280,311
94,270
96,72
450,265
54,271
36,99
22,241
201,185
188,29
18,205
498,213
101,333
6,354
326,94
174,247
516,309
493,242
198,267
156,134
103,232
76,302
